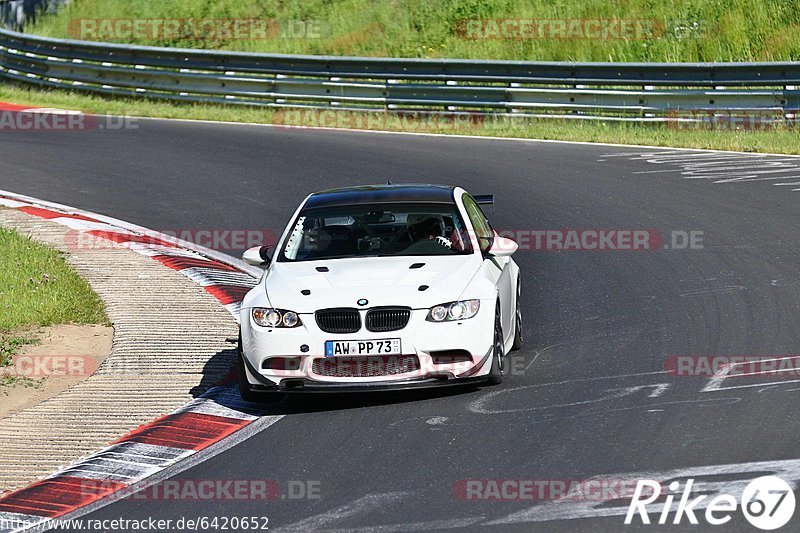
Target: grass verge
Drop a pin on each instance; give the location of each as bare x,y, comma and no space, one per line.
677,30
38,288
727,137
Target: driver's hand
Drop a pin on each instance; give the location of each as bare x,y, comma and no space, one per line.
444,241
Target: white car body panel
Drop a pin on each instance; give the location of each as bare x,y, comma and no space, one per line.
381,280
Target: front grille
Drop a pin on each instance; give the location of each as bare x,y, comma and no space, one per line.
341,320
388,318
365,366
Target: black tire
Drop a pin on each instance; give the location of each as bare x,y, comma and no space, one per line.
496,371
518,319
245,390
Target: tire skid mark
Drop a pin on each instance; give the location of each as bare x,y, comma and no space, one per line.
720,167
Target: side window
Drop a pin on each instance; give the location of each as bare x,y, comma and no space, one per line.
483,231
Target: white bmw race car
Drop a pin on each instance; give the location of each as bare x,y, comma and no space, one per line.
381,287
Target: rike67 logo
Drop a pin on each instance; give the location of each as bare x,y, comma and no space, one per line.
767,503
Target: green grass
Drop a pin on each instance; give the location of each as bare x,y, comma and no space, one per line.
777,141
10,344
687,30
38,288
16,381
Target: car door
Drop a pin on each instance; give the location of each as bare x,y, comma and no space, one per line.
494,268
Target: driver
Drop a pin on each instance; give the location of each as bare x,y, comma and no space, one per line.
430,229
427,229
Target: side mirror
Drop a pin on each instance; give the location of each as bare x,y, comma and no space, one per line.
503,247
257,256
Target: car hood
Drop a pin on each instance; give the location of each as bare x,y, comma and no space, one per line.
380,280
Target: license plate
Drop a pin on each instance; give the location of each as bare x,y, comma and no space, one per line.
368,347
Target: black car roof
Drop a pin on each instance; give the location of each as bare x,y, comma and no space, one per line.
382,194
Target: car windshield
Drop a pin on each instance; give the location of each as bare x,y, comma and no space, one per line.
376,230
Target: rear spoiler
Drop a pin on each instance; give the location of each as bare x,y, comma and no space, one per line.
484,199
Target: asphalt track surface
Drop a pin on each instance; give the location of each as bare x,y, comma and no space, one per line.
589,399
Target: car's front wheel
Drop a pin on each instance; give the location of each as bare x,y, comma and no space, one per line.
496,370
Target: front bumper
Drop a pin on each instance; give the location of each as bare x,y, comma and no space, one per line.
419,338
305,386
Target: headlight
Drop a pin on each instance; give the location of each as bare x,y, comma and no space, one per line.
454,311
275,318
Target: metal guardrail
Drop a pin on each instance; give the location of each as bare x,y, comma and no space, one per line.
629,91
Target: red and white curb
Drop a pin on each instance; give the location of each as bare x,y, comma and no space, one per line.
8,106
222,276
150,449
137,456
